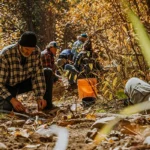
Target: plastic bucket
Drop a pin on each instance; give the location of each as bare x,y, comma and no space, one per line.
87,88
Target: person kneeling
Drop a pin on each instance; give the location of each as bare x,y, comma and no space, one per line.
21,71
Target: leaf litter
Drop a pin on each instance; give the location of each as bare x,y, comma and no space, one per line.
72,127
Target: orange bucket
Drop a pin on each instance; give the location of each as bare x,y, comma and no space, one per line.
87,87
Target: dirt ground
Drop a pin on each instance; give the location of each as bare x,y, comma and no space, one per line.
15,129
20,132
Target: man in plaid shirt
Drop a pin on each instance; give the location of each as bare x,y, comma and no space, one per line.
48,63
48,55
48,59
21,71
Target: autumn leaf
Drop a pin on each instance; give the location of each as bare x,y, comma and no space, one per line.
91,116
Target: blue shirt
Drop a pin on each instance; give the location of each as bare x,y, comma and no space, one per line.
65,53
76,48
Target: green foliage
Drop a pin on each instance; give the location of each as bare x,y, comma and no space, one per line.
120,94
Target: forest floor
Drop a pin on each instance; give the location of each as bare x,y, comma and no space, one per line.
72,126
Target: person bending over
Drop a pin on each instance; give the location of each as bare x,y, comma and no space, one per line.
21,71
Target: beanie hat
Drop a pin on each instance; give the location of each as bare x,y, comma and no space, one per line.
28,39
84,35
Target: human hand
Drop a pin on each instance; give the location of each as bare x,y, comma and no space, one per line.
17,105
41,104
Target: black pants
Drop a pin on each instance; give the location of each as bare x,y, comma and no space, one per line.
26,86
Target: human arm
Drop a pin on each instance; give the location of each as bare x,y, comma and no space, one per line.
38,79
4,76
17,105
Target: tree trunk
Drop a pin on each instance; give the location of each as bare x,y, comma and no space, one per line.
29,18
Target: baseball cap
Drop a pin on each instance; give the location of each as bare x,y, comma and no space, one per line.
84,35
52,44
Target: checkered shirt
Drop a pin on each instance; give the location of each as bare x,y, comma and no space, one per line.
47,59
12,72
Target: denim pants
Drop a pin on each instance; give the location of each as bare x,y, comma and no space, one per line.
26,86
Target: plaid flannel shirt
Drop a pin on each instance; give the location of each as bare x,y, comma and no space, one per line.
47,59
12,72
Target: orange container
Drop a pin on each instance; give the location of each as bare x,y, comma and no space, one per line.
87,87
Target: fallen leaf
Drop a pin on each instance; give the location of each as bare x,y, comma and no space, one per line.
111,141
3,146
21,132
69,116
32,146
91,116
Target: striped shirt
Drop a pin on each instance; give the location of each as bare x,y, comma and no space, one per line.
12,72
